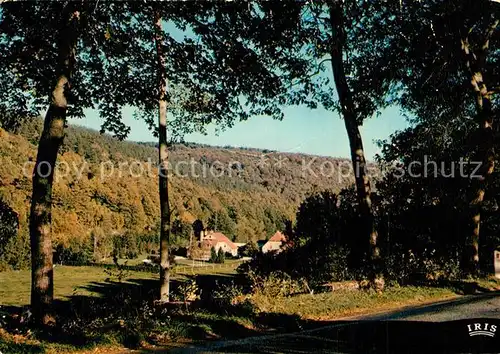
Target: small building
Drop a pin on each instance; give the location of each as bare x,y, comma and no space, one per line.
274,243
496,262
217,240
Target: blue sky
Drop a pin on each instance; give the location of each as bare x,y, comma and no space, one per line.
303,130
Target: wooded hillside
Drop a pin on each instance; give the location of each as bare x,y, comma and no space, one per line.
105,187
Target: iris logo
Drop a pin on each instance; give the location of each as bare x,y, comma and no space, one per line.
481,329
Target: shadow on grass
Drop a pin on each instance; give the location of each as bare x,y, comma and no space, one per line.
124,313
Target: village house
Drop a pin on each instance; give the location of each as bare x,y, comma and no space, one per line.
217,240
496,262
274,243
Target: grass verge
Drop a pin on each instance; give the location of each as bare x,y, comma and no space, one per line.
332,305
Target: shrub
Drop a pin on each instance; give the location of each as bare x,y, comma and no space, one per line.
221,256
213,255
131,254
12,247
276,284
120,272
9,225
187,291
248,250
16,254
230,299
75,253
404,267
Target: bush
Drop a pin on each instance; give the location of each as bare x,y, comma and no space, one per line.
12,247
16,254
230,299
213,255
179,251
75,253
131,254
405,267
187,291
248,250
276,284
9,225
221,256
122,317
315,269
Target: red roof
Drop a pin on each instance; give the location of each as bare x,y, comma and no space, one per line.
215,237
277,237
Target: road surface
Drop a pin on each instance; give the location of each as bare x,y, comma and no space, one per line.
437,328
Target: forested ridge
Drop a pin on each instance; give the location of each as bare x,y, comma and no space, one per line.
247,194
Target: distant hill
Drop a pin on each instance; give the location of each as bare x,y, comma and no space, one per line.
111,186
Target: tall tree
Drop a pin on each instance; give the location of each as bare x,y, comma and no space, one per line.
51,50
363,187
42,286
209,70
446,69
476,58
163,162
301,37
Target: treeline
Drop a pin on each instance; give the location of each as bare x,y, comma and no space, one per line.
290,175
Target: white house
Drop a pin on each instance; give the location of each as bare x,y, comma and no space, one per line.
274,243
209,239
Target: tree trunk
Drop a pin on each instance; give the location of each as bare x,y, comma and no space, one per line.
163,161
42,279
363,187
486,153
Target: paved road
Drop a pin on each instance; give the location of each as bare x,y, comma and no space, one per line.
438,328
466,307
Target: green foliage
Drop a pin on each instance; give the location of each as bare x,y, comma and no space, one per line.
16,254
187,291
275,285
119,273
9,225
221,256
229,298
213,255
181,231
250,249
125,246
76,253
220,221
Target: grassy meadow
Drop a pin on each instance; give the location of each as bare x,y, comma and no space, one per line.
68,280
85,280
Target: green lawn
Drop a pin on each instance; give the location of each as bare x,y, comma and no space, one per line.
15,285
68,280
